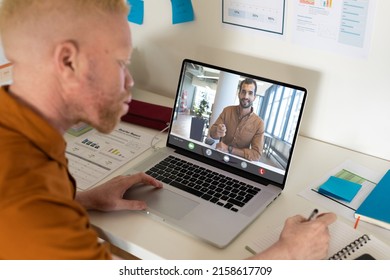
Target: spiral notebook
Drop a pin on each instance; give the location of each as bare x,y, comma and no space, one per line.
346,243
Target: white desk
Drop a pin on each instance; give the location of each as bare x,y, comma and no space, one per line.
149,239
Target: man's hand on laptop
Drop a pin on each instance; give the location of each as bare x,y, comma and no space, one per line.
301,239
109,196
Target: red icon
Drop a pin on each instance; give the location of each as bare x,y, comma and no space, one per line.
262,171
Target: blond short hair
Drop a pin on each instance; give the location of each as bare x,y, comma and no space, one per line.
14,12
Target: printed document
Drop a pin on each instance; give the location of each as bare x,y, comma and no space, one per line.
93,155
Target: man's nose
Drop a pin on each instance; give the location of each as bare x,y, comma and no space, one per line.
129,81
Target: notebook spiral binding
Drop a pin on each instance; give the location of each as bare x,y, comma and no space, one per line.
351,248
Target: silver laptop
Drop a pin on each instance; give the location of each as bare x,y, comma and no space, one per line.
210,194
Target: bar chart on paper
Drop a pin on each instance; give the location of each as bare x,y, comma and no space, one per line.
319,3
93,155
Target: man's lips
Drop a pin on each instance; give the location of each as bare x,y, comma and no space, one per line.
128,100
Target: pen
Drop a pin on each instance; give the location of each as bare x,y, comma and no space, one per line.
356,222
313,215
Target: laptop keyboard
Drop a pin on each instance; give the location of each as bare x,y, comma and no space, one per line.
204,183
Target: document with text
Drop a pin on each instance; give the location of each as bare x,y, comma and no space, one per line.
93,155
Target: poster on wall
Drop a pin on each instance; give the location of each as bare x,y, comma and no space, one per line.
263,15
339,26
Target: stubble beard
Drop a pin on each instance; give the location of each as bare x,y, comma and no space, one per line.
110,116
245,104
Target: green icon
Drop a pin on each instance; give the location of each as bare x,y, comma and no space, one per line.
191,146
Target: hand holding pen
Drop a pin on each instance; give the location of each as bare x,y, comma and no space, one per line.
307,238
313,215
302,238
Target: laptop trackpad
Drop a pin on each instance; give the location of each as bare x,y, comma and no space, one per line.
162,200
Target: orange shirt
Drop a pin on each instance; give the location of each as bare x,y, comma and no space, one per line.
39,218
246,133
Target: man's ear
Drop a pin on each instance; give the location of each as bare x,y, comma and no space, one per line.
66,57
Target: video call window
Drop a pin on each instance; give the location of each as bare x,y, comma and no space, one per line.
278,104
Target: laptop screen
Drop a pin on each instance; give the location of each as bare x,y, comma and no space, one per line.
236,121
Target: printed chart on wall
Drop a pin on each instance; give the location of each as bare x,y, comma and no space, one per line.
339,26
264,15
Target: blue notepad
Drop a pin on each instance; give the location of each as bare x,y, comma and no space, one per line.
375,208
136,14
340,188
182,11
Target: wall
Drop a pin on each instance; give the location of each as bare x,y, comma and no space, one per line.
348,97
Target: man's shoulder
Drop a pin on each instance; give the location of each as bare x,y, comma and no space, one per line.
230,108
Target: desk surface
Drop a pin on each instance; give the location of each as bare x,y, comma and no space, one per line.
150,239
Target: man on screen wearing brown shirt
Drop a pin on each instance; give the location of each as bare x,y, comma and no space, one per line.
240,130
